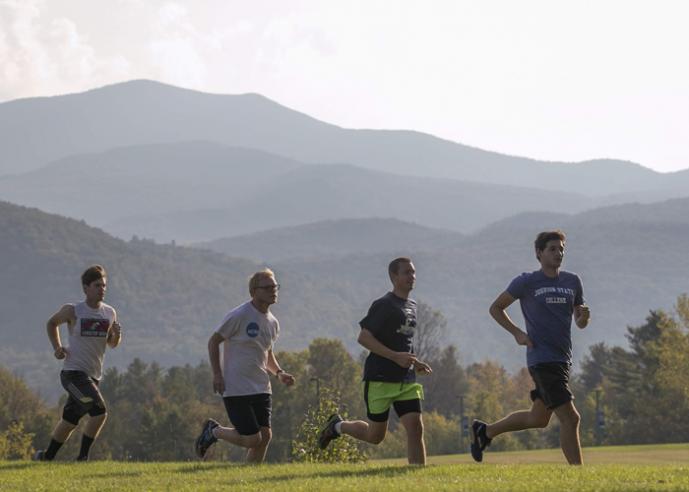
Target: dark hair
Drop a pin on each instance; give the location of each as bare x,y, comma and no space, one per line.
394,265
91,274
544,237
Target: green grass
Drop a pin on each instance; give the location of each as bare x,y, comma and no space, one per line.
676,454
612,468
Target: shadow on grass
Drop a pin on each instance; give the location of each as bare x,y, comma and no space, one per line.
205,467
115,474
388,471
17,466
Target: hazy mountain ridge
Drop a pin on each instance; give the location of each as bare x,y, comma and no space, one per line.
334,238
315,193
202,191
155,178
33,133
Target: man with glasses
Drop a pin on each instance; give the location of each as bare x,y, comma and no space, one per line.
248,333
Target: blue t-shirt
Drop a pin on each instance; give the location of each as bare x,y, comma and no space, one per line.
547,304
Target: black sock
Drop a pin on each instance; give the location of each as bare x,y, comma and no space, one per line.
86,442
52,450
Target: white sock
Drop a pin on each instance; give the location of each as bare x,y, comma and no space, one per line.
338,428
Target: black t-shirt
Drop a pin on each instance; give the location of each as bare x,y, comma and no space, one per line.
392,320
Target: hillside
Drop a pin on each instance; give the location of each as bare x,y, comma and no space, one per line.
171,297
333,238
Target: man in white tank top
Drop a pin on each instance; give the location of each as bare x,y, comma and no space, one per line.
248,333
92,326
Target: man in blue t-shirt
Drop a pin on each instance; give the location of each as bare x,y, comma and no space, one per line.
548,298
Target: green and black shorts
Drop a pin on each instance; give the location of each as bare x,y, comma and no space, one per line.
379,396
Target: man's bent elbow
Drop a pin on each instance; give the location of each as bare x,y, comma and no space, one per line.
494,310
214,340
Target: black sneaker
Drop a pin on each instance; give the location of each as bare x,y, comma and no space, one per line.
329,433
206,439
479,439
39,455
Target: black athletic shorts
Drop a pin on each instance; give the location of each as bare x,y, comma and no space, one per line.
249,413
552,384
84,395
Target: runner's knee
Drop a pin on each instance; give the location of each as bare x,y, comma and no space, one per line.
377,433
266,436
377,438
414,427
253,440
72,412
540,421
98,409
570,417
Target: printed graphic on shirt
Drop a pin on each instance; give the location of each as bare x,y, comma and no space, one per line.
549,298
94,327
409,322
252,329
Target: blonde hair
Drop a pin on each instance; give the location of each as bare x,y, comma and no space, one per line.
256,278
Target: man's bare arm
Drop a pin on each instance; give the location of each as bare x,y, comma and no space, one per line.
497,311
369,341
274,368
64,315
214,356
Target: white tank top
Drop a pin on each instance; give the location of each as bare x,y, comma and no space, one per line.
87,339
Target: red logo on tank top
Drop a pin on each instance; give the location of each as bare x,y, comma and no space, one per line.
94,327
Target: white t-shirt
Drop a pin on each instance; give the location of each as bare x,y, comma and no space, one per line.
87,339
249,334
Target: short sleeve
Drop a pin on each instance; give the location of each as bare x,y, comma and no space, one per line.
517,286
375,319
229,326
579,294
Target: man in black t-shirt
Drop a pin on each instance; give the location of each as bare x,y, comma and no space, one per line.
389,372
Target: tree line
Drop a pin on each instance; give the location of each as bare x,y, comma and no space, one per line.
637,394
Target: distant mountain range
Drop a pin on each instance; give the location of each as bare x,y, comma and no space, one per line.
37,131
170,298
202,191
154,161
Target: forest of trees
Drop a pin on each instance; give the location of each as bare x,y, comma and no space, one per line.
155,414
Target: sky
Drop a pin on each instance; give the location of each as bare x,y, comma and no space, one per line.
551,80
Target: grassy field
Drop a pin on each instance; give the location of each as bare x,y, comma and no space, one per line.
613,468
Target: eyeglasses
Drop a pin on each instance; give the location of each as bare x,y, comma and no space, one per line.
269,287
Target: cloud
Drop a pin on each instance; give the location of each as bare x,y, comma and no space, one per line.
48,55
175,48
